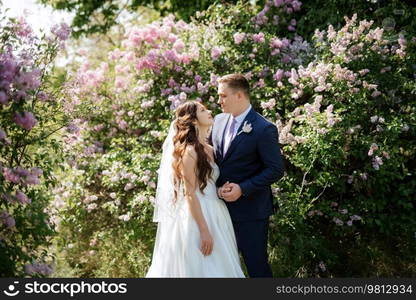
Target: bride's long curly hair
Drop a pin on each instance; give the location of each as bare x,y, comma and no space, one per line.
187,134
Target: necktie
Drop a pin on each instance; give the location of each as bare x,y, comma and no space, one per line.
230,135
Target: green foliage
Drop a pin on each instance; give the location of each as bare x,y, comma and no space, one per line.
344,104
99,16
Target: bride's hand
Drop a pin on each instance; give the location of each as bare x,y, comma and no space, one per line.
226,188
207,243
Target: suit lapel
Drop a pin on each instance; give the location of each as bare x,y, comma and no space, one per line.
250,118
221,133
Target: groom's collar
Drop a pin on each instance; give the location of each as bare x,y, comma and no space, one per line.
240,118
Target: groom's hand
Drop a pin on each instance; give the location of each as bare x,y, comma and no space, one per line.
223,189
233,193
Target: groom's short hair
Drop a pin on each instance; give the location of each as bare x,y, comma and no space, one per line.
236,81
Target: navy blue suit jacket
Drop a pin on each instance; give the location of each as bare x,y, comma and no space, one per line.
253,160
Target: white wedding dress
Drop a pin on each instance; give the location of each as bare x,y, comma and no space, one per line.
177,247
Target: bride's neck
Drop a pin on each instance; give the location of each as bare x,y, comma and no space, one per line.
203,135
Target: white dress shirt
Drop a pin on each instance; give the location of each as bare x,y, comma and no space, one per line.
239,119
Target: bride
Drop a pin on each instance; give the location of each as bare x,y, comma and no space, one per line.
195,236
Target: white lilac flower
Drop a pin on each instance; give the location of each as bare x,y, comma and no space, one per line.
124,218
343,211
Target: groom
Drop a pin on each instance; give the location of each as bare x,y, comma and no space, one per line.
248,155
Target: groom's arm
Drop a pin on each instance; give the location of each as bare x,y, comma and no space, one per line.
210,137
269,151
210,132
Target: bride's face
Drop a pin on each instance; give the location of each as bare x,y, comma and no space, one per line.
204,116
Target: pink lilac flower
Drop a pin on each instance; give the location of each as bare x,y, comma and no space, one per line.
122,124
276,43
213,79
179,45
293,77
171,55
22,28
258,37
147,104
260,83
172,83
216,52
355,218
185,58
269,104
373,148
121,82
239,37
278,75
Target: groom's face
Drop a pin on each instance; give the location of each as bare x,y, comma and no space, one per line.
227,98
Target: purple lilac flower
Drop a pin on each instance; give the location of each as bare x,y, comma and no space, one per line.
25,119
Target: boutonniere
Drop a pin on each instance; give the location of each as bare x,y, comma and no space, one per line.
246,128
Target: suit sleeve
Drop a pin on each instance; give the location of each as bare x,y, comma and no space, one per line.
271,158
210,136
210,141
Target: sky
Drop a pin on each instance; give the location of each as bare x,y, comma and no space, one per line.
38,16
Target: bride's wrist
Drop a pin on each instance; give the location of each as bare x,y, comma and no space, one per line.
203,229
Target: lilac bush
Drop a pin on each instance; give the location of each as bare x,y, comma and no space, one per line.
30,113
343,103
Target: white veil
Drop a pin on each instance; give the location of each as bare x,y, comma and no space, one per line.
165,208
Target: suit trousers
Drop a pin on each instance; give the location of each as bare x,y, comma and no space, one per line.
251,239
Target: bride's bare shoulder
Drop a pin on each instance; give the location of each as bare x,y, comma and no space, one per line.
190,152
